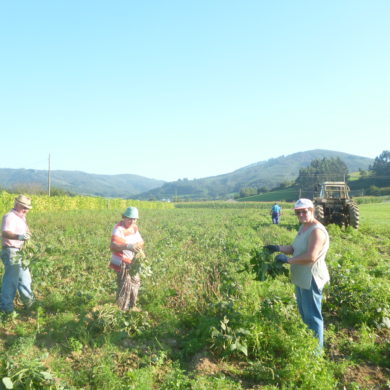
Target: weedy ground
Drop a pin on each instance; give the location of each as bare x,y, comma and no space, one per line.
208,321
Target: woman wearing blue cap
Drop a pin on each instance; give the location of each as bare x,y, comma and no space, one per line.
126,243
309,272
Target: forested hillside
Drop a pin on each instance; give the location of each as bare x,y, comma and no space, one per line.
267,174
264,174
113,186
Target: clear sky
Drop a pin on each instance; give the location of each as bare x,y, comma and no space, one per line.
190,88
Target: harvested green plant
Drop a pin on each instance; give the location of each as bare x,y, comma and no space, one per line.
28,253
263,265
140,265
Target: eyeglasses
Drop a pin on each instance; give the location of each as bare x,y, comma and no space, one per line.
298,212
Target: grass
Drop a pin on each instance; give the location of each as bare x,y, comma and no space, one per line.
287,194
206,323
375,215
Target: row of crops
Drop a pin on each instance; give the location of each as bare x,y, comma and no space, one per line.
47,203
210,319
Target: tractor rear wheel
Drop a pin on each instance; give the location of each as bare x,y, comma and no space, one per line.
354,216
319,213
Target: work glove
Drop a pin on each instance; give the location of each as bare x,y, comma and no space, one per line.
272,248
24,237
281,258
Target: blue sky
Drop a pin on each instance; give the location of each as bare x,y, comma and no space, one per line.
190,89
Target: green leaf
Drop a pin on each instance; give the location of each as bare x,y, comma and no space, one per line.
386,322
8,383
242,348
47,375
244,332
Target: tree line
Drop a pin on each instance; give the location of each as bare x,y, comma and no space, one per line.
374,181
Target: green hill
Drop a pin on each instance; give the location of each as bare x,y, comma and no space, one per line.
115,186
288,194
269,174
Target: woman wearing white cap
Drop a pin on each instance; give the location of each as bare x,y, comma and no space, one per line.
126,242
309,272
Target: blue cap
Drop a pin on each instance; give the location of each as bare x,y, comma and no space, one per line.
131,212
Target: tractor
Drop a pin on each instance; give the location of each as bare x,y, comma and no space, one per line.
334,205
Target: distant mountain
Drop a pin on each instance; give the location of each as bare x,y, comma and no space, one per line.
268,174
115,186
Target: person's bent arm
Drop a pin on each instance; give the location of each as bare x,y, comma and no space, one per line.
9,235
286,249
13,236
121,247
316,242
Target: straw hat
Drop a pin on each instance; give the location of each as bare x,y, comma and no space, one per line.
23,201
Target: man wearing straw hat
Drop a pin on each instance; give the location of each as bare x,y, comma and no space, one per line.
15,232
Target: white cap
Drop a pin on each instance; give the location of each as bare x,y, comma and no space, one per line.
304,204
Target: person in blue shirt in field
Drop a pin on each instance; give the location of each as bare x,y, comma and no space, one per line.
276,212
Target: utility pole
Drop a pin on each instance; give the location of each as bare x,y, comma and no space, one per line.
48,178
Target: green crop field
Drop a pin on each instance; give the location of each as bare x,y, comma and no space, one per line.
274,196
206,323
